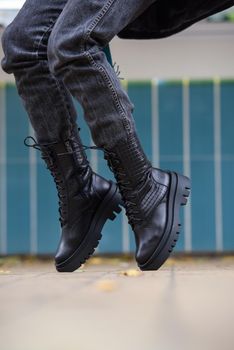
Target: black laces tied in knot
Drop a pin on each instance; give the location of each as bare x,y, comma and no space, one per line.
34,145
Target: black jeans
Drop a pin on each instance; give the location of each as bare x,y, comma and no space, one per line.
55,50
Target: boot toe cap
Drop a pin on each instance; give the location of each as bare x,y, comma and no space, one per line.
148,237
63,253
146,249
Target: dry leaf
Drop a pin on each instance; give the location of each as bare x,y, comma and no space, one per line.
96,261
131,273
106,285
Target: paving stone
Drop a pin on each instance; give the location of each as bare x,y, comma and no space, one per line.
109,304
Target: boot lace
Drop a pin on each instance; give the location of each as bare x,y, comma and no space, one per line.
117,71
57,176
128,192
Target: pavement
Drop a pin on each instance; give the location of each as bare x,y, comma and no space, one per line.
109,304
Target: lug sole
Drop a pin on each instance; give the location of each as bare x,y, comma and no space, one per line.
179,192
108,209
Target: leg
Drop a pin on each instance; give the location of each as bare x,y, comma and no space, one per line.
76,57
86,200
25,47
152,197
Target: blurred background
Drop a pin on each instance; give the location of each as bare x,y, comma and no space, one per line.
183,91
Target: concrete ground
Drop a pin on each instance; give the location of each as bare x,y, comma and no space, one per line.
109,304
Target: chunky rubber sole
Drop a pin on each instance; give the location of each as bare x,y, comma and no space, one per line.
179,191
108,209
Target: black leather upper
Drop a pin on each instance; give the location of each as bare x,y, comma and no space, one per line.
149,233
82,208
80,192
144,191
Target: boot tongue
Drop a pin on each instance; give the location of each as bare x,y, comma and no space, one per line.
63,158
80,160
70,160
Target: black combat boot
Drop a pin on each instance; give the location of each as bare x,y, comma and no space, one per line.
86,200
152,199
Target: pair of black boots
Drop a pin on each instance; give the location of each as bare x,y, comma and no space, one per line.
151,197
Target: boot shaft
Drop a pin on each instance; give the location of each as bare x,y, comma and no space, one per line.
129,158
141,186
70,169
69,159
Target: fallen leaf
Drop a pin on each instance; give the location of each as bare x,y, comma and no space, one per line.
106,285
131,273
96,261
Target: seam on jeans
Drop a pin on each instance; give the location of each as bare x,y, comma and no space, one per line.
64,100
112,89
99,16
100,68
61,92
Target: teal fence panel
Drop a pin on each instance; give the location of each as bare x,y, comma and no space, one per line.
227,162
170,132
202,165
186,126
17,205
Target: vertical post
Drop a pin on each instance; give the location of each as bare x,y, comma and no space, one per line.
186,163
3,172
155,123
218,167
